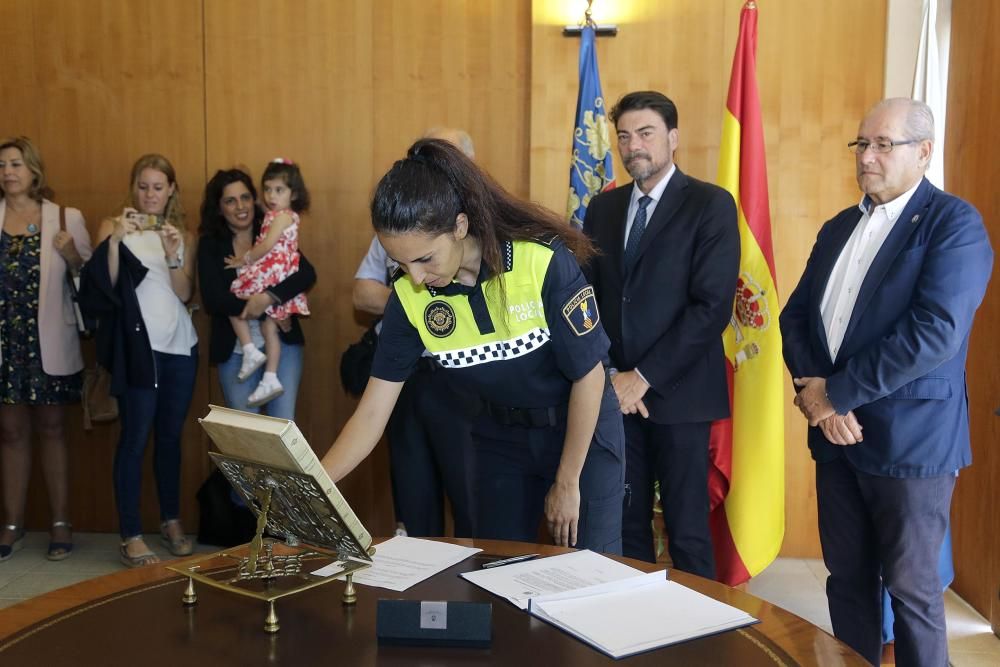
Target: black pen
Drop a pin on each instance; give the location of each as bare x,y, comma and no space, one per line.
508,561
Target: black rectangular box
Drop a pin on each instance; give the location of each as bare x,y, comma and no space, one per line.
432,623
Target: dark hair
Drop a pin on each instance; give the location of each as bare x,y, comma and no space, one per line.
646,99
290,174
212,221
426,191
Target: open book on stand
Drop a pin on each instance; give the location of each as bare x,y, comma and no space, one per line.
278,443
303,521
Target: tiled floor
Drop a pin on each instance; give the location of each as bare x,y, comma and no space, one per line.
798,585
795,584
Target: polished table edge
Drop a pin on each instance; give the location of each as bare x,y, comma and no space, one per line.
804,642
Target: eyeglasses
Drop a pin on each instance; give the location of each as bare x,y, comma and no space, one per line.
881,146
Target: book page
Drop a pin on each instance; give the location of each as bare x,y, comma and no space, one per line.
623,618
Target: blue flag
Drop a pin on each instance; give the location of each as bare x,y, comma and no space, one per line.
591,171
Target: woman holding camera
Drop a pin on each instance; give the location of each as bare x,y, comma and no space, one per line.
136,285
40,359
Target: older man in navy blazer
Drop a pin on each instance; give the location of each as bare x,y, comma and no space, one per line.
875,336
665,280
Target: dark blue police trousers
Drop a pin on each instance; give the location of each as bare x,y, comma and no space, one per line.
516,467
431,454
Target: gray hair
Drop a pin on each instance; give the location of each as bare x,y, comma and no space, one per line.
919,117
455,136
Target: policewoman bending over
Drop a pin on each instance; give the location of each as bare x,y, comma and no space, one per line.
491,286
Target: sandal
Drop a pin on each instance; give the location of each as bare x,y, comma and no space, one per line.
7,550
180,546
60,550
147,557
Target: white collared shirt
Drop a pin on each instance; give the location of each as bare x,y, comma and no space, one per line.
852,266
654,194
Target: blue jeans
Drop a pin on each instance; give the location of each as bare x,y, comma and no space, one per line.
161,410
289,373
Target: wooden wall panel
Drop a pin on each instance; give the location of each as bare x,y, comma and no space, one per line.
972,173
343,89
95,85
812,102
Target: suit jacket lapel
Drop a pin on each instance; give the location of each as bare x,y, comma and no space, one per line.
907,223
670,202
617,231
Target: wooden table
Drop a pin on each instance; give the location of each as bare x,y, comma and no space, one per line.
135,617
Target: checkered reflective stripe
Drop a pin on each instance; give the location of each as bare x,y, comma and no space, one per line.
498,351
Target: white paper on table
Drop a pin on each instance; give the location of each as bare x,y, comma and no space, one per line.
333,568
625,617
520,582
402,562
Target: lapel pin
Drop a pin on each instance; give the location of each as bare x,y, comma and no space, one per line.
914,219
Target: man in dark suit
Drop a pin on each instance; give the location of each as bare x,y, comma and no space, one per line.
875,336
665,281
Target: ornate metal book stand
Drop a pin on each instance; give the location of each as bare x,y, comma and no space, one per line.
292,506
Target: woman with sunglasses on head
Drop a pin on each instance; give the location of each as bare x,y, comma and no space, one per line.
40,360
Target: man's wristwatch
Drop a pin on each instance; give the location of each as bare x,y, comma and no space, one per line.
174,264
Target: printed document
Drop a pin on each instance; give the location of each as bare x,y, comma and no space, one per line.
404,561
520,582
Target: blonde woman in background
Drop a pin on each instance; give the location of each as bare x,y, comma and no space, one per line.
40,359
137,285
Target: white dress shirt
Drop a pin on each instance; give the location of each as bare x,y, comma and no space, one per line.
852,266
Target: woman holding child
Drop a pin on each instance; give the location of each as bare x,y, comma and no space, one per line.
230,222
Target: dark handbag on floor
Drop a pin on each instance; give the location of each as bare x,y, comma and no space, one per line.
221,521
83,326
356,363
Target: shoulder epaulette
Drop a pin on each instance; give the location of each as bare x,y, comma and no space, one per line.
397,274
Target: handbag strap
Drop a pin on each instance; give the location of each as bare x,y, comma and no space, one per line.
70,275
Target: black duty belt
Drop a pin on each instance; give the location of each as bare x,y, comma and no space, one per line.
526,417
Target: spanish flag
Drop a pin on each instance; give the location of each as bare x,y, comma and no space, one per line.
747,479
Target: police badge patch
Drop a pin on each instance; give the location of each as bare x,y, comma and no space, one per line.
580,312
439,318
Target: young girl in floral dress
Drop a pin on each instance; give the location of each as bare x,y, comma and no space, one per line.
274,256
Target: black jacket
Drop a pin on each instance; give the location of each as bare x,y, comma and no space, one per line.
214,280
667,313
122,342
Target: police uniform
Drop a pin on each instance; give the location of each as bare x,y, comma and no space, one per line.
430,440
520,350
